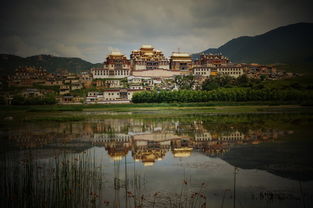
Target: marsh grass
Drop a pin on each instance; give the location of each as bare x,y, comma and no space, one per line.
55,108
66,181
57,118
77,180
60,113
88,107
228,115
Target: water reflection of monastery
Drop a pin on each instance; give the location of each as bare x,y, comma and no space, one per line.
147,141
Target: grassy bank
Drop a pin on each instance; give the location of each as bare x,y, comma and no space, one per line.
122,107
101,112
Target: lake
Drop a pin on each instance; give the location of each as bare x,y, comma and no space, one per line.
188,160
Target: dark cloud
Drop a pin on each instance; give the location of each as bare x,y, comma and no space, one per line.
89,29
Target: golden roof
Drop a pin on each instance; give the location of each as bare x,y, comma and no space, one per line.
146,46
148,163
149,54
182,154
116,157
116,53
180,54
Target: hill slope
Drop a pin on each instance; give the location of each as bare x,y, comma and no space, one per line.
8,63
287,44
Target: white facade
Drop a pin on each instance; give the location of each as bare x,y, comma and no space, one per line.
103,96
156,73
205,136
138,66
103,73
202,71
105,137
233,71
164,66
136,87
232,136
111,96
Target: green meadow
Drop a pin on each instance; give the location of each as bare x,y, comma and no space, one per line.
160,110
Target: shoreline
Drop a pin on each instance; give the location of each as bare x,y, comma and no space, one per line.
61,113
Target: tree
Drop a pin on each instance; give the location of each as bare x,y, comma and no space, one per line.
210,84
2,100
18,100
243,81
185,82
124,82
235,94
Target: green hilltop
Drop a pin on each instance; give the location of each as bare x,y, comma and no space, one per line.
291,45
8,63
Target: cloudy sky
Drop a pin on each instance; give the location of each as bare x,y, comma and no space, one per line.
90,29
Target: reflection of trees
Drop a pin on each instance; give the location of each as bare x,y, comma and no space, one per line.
212,135
145,140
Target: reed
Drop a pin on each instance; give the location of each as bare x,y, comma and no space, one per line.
65,181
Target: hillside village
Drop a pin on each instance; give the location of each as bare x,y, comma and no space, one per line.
119,78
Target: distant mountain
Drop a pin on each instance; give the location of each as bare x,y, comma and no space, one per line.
291,44
287,44
8,63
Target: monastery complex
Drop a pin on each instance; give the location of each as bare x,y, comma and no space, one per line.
149,62
120,77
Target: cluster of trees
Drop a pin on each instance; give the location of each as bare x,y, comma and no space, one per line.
2,100
223,94
20,100
214,82
185,82
219,81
